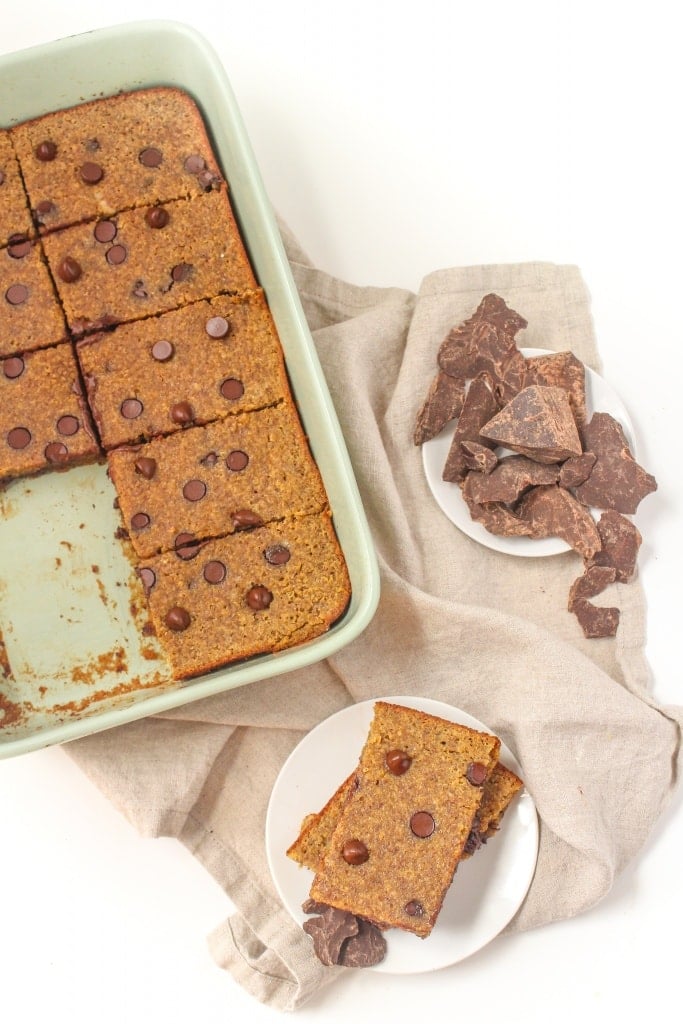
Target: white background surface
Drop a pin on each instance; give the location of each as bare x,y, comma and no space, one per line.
396,139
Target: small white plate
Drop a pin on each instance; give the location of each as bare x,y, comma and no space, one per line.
600,397
488,888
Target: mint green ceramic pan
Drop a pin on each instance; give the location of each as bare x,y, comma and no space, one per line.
70,614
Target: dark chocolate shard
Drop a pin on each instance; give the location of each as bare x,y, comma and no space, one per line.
497,518
561,370
594,580
616,480
512,476
595,621
443,403
478,457
621,542
554,512
577,469
537,422
367,948
479,406
328,931
485,343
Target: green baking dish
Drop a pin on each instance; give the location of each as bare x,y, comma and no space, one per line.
70,615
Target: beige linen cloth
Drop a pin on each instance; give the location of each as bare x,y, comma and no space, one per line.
486,632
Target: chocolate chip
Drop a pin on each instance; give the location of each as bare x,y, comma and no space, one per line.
139,290
105,231
162,351
42,210
237,461
422,824
214,572
56,452
476,773
13,367
277,554
69,270
157,217
210,459
259,598
46,151
182,412
150,157
177,619
187,546
245,519
148,578
146,467
414,908
140,520
91,173
181,272
207,179
217,327
16,294
231,388
195,163
116,255
18,246
92,145
68,425
194,490
131,408
354,852
398,762
18,438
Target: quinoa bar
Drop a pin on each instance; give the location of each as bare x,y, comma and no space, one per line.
44,421
209,481
246,594
219,356
96,159
145,261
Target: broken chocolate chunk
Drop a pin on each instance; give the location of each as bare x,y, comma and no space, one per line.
328,931
486,343
621,542
577,469
554,512
537,422
561,370
497,518
616,480
595,621
512,476
478,408
478,457
443,403
594,580
367,948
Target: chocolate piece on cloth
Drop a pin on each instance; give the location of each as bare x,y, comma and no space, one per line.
596,621
616,480
539,423
621,542
483,631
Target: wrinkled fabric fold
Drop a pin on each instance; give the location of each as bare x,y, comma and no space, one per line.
458,622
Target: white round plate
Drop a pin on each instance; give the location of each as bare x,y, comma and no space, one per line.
600,397
488,887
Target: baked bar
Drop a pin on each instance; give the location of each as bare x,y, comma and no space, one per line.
148,260
246,594
221,356
44,420
209,481
96,159
15,219
404,826
30,316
